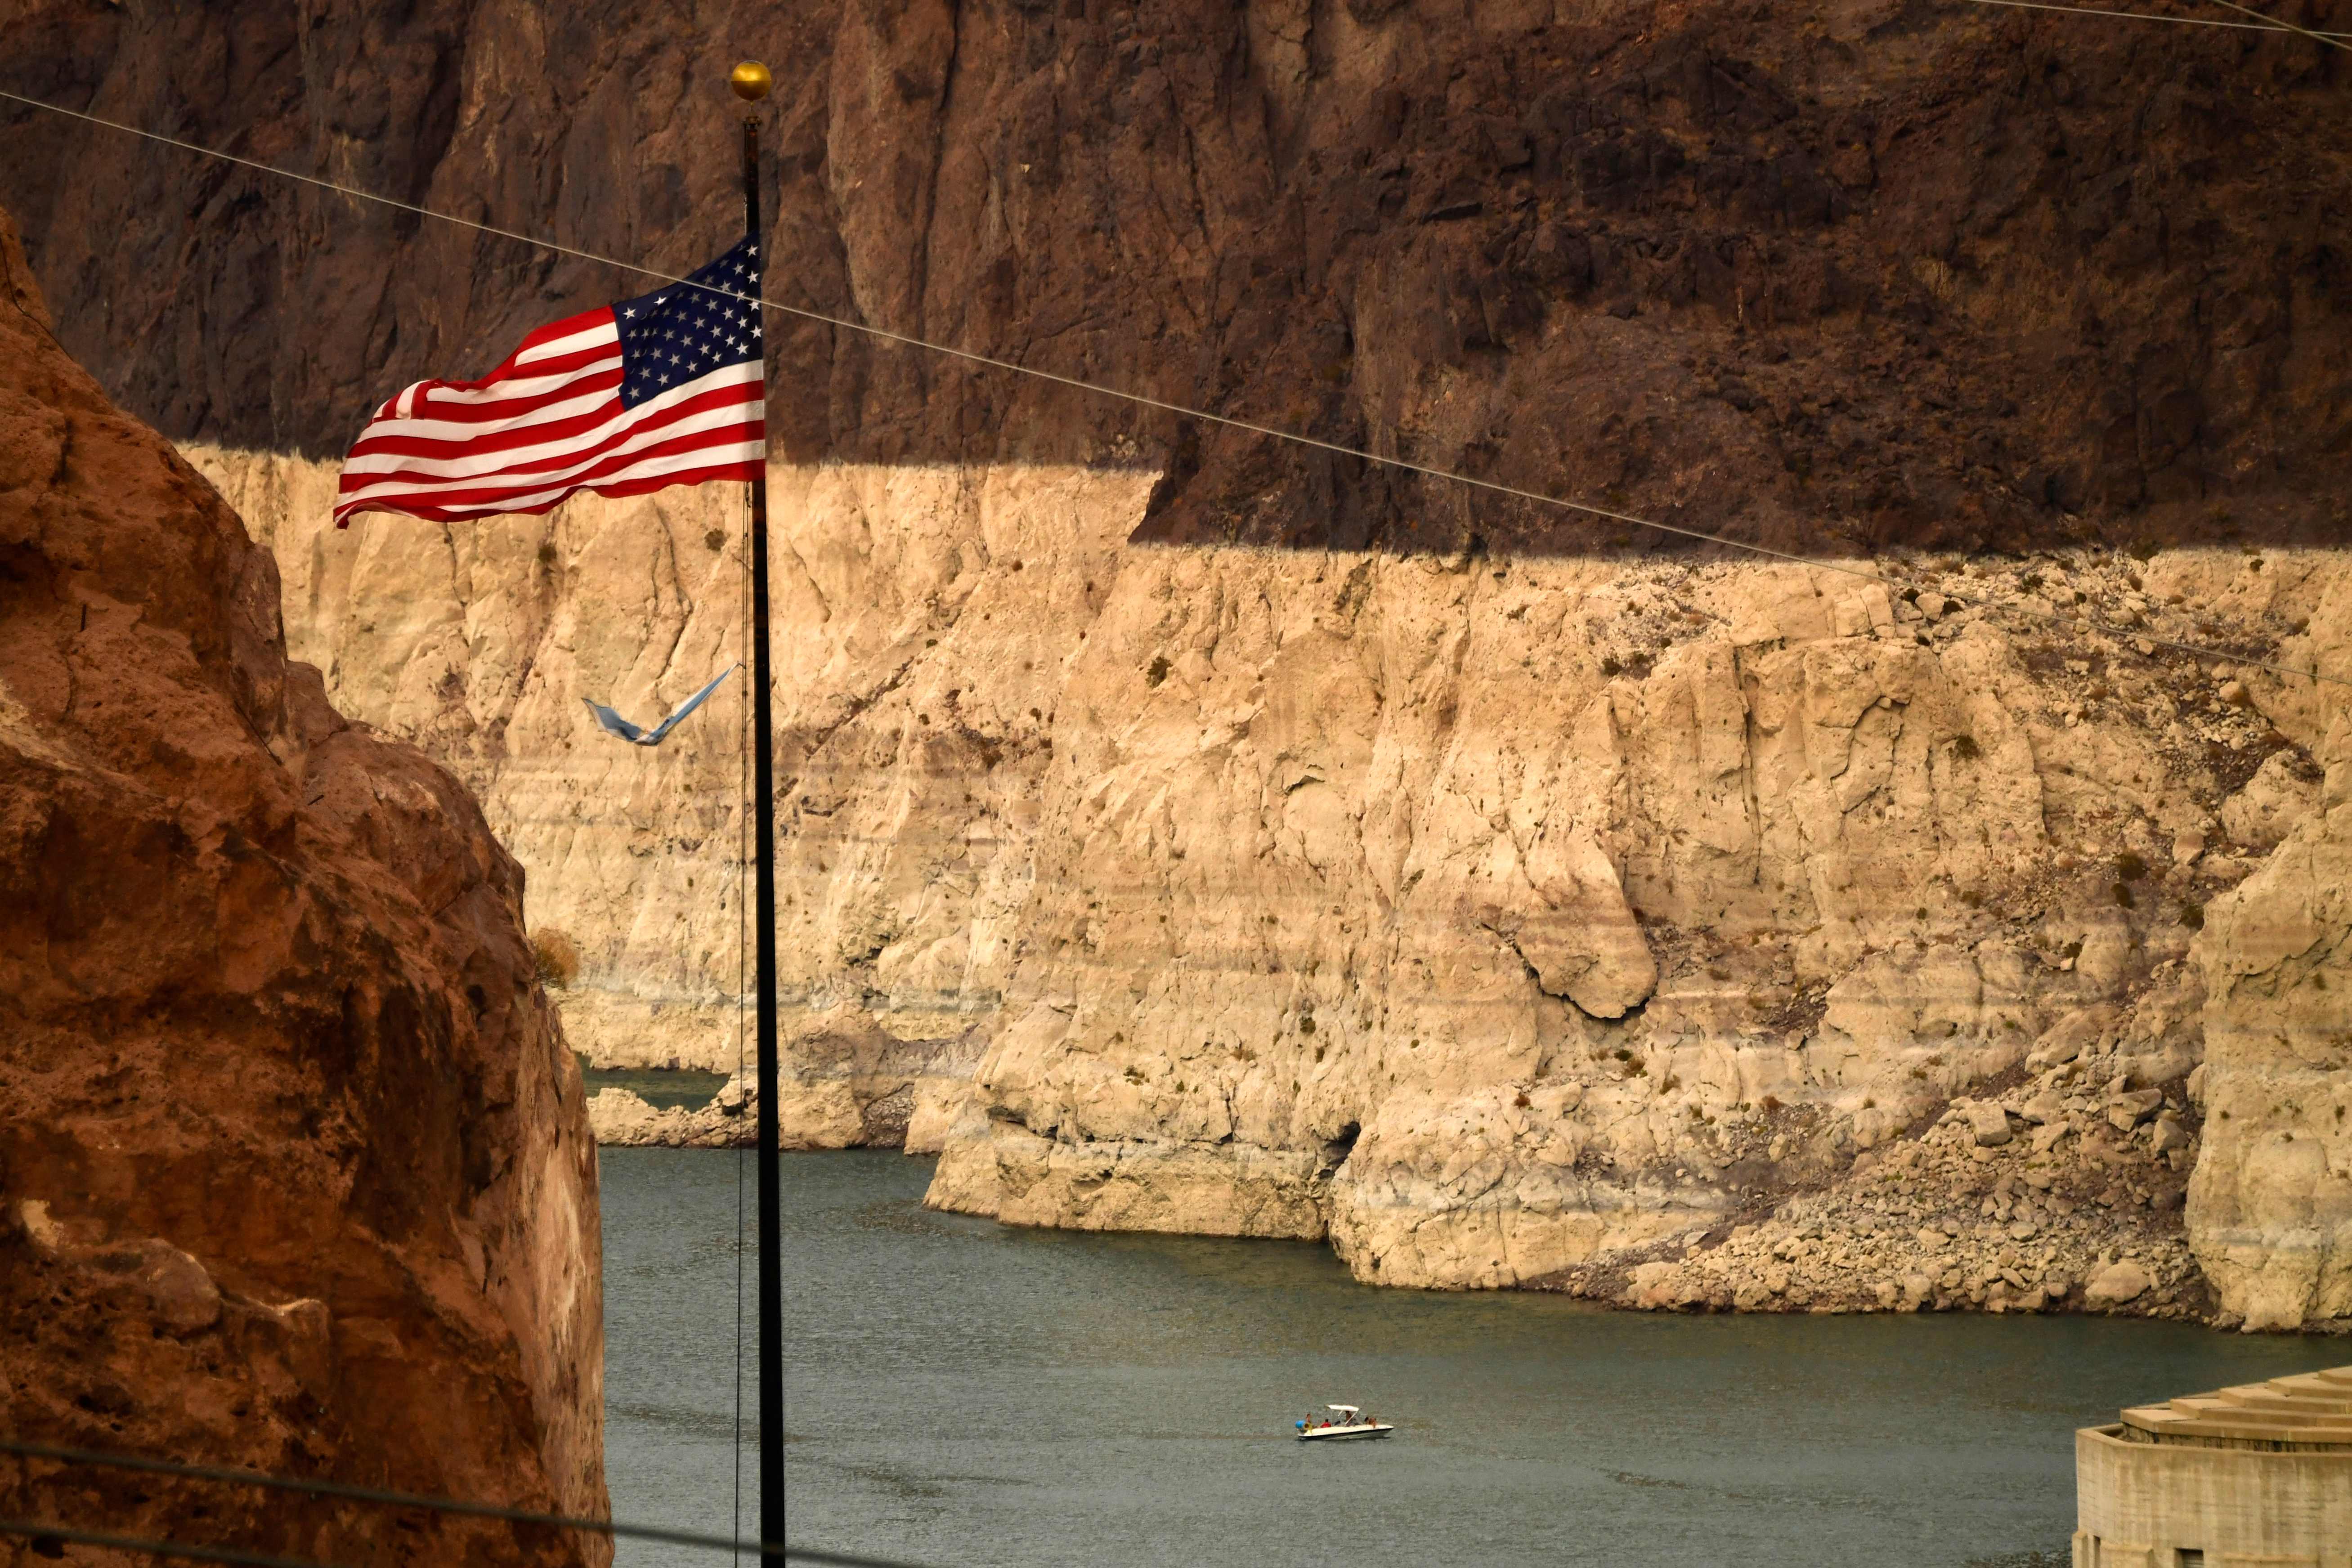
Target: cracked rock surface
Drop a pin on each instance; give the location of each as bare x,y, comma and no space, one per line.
1485,887
294,1173
1496,918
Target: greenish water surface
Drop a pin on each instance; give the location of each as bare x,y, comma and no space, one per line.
961,1393
661,1088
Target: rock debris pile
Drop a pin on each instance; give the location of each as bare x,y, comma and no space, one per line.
846,1082
2062,1193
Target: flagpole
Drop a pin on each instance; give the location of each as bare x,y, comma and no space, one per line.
751,82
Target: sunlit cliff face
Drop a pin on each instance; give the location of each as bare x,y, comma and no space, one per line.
1298,848
1485,914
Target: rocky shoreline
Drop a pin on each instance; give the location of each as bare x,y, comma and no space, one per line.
2063,1193
848,1083
2061,1190
1852,884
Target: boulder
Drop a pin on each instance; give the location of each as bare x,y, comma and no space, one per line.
1988,1124
2115,1284
2042,1110
2281,793
2075,1032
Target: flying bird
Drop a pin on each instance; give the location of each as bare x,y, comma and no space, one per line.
653,737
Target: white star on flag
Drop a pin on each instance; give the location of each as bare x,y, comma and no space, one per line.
573,408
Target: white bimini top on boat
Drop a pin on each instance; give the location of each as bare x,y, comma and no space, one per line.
1345,1421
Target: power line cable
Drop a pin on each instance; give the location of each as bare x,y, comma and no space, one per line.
192,1552
2265,26
2334,41
1185,411
387,1499
187,1551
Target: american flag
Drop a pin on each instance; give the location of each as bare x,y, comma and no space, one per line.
665,389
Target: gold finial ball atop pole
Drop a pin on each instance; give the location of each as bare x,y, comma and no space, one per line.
751,81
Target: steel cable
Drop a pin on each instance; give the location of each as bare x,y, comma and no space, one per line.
2333,40
2267,24
2062,618
387,1499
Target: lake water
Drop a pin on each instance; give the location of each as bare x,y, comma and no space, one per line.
964,1394
662,1088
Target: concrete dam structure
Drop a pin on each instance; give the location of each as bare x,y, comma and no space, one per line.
2260,1474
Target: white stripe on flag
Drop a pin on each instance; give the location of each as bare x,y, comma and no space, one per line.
515,388
652,467
604,331
621,421
460,434
467,432
425,475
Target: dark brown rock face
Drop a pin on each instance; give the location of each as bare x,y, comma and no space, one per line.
1871,274
294,1171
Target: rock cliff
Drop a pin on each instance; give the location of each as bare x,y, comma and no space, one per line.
2270,1207
294,1172
1508,896
1505,920
1875,274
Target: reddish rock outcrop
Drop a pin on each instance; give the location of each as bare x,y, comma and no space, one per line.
294,1169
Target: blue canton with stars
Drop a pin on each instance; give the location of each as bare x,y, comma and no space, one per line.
670,338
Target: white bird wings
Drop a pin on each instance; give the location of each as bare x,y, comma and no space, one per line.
653,737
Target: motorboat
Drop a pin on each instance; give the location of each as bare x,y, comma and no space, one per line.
1345,1421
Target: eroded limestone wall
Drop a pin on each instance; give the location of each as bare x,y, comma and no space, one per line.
1488,916
2271,1209
1494,915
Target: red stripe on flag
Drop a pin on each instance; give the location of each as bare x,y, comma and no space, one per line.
745,470
535,430
483,489
566,429
715,420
